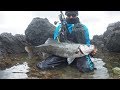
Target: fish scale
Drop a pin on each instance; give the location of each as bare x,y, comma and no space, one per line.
67,50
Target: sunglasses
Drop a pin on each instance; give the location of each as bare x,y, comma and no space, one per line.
73,15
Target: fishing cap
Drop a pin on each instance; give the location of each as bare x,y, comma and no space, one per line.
71,13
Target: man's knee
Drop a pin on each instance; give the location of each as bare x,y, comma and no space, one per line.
84,64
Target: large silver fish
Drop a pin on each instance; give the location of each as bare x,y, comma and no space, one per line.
62,49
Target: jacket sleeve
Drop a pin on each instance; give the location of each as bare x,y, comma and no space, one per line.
56,32
86,35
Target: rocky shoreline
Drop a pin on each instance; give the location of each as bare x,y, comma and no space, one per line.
111,61
12,48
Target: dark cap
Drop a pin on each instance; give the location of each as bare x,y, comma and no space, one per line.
71,13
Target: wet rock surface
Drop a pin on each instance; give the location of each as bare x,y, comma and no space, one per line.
38,31
107,57
110,40
98,41
111,37
11,44
67,72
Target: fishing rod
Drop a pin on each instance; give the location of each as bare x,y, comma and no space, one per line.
63,31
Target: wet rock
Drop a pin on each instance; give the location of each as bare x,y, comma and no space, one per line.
10,44
116,70
112,37
38,31
3,52
98,41
109,41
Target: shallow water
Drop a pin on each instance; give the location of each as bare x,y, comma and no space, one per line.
100,73
16,72
19,72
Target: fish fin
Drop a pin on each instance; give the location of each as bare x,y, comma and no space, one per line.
70,60
50,40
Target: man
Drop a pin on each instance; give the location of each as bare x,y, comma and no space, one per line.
76,32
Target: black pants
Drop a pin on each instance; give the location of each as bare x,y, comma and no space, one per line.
52,62
84,64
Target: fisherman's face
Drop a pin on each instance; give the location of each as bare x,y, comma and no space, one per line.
71,16
72,19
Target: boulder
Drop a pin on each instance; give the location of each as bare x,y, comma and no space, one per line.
38,31
111,37
10,44
98,41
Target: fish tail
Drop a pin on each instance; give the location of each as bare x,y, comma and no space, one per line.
29,51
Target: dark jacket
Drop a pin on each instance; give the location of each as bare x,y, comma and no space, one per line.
77,33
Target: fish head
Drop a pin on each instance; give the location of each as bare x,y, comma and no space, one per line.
78,53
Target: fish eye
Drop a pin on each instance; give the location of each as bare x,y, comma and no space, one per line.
77,52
